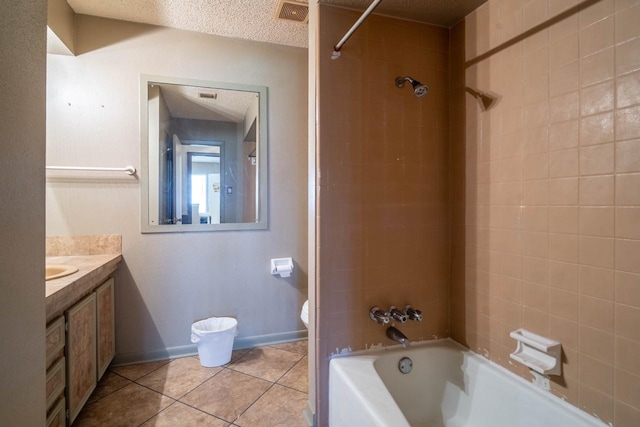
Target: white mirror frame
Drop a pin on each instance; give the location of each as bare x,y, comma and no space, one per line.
262,206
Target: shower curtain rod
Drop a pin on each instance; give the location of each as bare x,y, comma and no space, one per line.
128,169
338,46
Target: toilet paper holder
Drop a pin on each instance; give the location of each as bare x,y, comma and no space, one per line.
282,266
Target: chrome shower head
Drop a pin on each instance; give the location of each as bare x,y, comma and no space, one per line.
418,88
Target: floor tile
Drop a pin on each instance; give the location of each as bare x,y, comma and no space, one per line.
178,377
182,415
133,372
300,347
280,406
128,406
109,383
298,376
266,363
227,394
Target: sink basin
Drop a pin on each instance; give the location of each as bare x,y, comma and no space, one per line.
54,271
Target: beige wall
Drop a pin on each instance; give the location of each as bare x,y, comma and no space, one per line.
382,199
169,280
22,84
553,195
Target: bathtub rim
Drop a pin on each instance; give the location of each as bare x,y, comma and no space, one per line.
372,354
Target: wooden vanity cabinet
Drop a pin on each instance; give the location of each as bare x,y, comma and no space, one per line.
90,345
106,325
56,379
80,352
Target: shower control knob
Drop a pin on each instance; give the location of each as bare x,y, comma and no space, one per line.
412,313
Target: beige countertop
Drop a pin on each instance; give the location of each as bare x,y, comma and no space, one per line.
65,291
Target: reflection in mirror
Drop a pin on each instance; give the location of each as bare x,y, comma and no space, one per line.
205,148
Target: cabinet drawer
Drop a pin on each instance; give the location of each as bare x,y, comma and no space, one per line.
55,340
55,382
57,417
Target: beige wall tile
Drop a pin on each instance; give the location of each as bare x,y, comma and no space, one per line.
564,79
628,156
596,129
597,251
564,247
627,193
596,12
596,37
534,13
597,282
563,163
627,222
628,56
597,98
563,275
535,218
597,159
627,24
535,270
627,123
535,296
564,107
597,221
536,192
627,322
563,51
596,190
626,416
564,304
598,67
628,255
596,374
626,352
536,63
628,89
564,331
535,321
536,166
563,191
627,288
627,389
597,313
563,135
596,403
564,219
597,344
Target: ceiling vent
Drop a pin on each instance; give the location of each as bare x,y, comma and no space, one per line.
292,11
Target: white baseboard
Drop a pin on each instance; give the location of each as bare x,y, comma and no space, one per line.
192,349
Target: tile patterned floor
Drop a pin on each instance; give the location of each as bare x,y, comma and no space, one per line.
264,386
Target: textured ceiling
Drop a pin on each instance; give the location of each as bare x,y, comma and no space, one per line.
439,12
255,19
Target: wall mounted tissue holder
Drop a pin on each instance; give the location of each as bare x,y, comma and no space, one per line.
541,354
282,267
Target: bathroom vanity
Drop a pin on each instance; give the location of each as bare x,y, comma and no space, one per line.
80,336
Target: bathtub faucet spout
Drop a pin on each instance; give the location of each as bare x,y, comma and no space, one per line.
394,334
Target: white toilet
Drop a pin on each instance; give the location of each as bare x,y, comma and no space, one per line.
304,314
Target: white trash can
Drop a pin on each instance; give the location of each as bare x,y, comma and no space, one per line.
214,337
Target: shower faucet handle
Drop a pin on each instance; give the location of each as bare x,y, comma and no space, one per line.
379,316
412,313
397,315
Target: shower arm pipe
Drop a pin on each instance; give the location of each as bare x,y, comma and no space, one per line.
365,14
130,170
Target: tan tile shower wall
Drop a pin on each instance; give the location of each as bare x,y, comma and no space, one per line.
553,194
383,186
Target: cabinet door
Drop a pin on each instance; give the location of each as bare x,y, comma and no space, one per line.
81,354
106,326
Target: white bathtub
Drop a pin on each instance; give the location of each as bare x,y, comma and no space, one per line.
449,386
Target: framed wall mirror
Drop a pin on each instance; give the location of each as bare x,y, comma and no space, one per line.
203,155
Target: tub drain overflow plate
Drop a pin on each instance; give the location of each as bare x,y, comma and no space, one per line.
405,365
